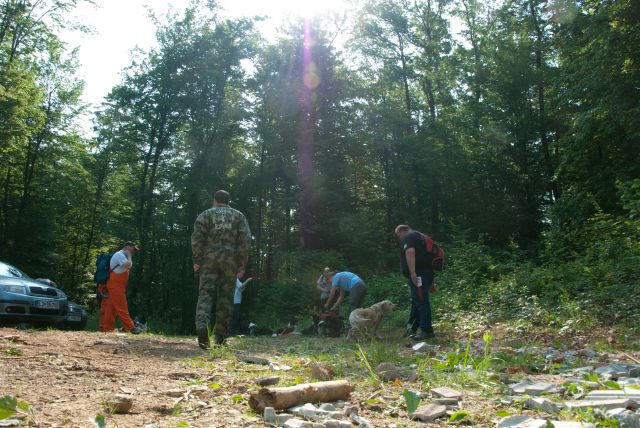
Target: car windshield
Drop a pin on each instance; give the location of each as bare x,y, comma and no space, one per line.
8,270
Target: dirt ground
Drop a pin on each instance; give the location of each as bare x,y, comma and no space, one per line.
67,377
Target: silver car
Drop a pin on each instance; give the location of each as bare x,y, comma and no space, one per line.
23,299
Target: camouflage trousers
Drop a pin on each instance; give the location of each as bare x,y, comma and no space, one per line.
216,285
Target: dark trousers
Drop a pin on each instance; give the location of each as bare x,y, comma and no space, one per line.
235,320
356,296
420,306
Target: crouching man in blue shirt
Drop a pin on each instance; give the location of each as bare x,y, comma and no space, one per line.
343,282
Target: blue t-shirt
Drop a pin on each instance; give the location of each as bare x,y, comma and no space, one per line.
346,280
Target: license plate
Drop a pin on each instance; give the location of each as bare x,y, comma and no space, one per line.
73,318
47,304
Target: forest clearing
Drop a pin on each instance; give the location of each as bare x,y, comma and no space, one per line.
502,134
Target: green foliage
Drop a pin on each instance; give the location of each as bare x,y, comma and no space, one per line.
458,416
411,400
8,405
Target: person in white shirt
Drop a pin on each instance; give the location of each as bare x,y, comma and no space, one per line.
237,302
115,303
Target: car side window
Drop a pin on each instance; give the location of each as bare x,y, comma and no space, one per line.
15,272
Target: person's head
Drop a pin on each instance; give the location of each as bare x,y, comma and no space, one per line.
221,197
328,275
402,230
326,270
130,247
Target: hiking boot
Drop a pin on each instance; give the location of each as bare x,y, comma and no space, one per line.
203,338
136,330
424,335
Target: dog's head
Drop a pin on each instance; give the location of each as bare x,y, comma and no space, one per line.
386,306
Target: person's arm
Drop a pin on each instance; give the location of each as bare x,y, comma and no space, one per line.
198,242
330,298
127,263
244,284
340,299
410,254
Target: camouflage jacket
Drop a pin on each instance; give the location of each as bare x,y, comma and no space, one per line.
220,236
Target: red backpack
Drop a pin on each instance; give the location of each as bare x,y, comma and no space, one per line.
435,251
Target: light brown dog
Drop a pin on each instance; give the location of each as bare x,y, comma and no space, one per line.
367,320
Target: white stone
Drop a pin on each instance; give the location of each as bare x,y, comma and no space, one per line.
543,404
533,388
446,392
601,404
282,419
423,347
269,415
610,394
328,407
297,423
521,422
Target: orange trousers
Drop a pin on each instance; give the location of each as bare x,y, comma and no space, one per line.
115,304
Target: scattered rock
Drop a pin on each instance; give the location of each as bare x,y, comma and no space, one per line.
282,418
543,404
429,412
320,372
446,401
119,403
533,389
267,381
360,421
336,423
618,370
446,392
328,407
175,393
279,367
523,421
253,359
269,416
602,404
297,423
424,347
388,372
612,394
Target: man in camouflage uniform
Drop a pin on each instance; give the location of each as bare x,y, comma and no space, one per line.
220,245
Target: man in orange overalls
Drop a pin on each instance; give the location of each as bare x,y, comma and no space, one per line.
115,303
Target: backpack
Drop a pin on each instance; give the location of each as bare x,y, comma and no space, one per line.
436,252
103,269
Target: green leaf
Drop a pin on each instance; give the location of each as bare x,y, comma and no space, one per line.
611,384
458,416
215,385
591,377
237,398
183,424
99,421
411,399
503,413
23,405
8,405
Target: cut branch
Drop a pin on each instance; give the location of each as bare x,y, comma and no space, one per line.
284,398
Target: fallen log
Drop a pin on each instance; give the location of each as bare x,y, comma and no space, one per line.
287,397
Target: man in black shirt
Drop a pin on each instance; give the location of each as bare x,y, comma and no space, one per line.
416,266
